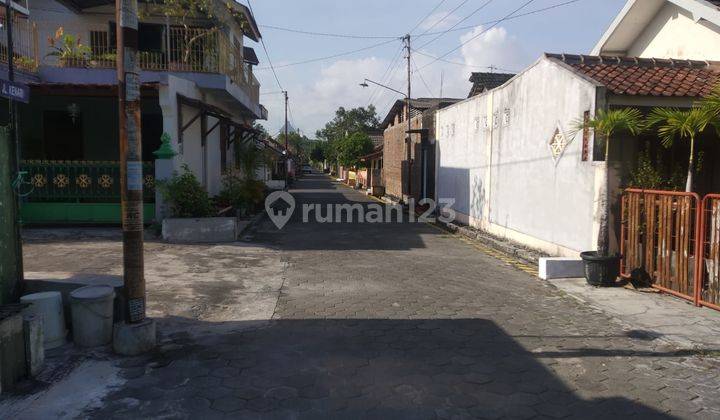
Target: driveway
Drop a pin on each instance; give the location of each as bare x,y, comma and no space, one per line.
402,320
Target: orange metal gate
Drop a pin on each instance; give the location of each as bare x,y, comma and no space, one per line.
708,291
659,236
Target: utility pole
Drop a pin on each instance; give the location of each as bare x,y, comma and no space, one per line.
11,279
408,139
131,176
287,150
138,333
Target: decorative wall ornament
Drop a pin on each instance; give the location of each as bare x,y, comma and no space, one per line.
149,181
61,180
105,181
39,181
559,143
83,181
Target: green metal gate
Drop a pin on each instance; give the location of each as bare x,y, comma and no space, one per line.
79,192
10,265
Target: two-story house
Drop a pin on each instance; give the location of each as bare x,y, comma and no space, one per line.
197,85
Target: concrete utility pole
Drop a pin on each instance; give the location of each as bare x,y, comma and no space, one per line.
287,150
137,334
11,252
130,159
408,139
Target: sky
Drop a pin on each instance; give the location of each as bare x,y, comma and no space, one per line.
474,41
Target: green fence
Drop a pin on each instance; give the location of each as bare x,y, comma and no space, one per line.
78,191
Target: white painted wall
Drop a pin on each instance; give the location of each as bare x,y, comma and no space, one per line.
502,173
673,33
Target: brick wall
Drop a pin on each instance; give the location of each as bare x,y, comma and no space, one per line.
395,160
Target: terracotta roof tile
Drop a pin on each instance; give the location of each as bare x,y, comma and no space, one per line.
646,76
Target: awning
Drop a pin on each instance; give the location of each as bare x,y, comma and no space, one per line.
250,57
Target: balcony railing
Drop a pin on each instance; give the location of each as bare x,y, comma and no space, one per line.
25,44
196,50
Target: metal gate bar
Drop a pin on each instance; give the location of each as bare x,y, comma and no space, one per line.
659,235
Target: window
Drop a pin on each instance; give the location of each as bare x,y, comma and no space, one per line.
99,42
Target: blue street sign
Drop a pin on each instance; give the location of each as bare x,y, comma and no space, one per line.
15,91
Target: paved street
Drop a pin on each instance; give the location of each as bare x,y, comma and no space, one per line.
402,320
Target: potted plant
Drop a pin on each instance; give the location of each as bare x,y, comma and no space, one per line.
68,49
193,213
601,268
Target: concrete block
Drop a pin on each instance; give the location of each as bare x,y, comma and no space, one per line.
204,230
134,339
560,268
34,346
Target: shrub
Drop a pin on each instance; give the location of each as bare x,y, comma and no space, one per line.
187,198
242,193
648,174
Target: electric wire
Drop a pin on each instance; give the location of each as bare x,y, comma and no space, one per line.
426,16
524,5
342,54
440,35
267,54
443,18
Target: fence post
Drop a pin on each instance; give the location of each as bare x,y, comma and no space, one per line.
11,274
164,167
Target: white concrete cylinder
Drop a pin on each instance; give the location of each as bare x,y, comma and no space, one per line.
92,315
48,306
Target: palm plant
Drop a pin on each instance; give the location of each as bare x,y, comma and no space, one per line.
686,124
605,124
711,103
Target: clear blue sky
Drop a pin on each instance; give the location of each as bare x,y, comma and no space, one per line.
317,89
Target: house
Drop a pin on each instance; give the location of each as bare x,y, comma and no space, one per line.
196,82
408,158
482,82
677,29
517,167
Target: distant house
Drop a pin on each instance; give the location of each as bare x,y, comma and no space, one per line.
408,164
482,82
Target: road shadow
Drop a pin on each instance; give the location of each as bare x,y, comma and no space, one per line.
356,368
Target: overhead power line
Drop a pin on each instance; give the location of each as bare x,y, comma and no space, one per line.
443,18
531,12
422,78
462,64
327,34
313,60
386,73
427,16
267,54
524,5
484,5
425,34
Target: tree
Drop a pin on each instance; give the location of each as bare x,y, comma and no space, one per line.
686,124
318,151
351,148
299,145
605,124
346,122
